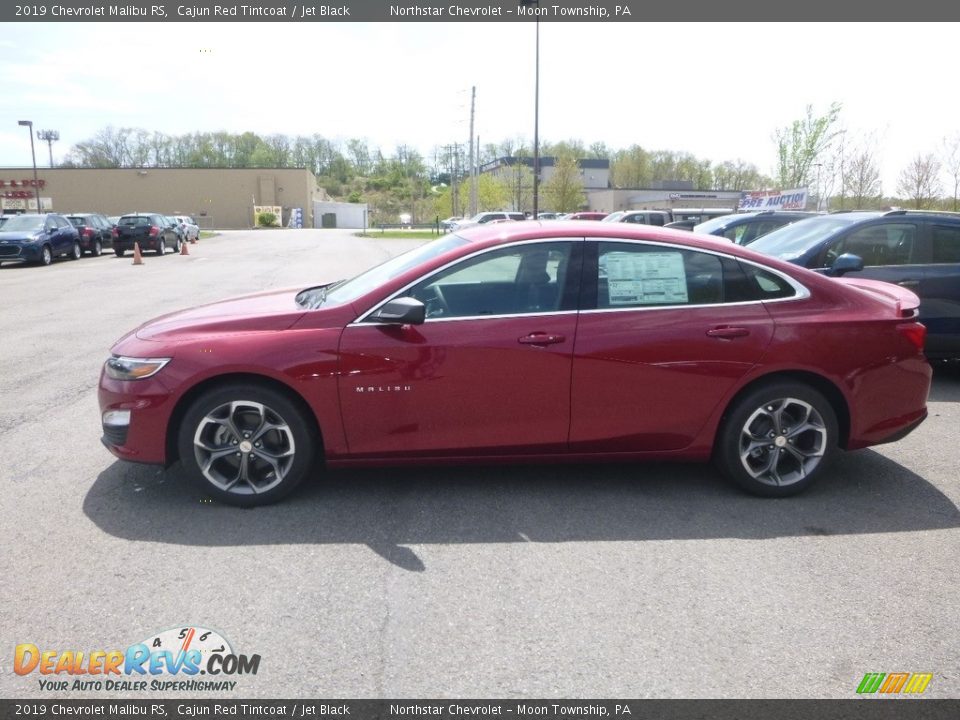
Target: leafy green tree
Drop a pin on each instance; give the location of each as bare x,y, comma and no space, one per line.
802,143
563,192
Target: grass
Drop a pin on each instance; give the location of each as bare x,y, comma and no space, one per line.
207,234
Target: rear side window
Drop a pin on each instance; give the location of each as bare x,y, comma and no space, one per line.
945,240
644,276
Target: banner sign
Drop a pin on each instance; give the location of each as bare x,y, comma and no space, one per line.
795,199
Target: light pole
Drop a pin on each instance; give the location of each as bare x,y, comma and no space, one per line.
51,136
818,166
33,154
536,111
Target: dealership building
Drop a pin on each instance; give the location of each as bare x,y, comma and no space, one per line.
222,198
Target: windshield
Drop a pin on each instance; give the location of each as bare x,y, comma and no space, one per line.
349,290
614,217
796,239
24,223
717,223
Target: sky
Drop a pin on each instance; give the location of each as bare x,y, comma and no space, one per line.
716,90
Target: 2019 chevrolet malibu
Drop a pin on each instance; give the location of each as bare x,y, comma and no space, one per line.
526,341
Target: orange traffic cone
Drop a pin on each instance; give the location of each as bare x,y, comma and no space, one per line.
137,257
193,240
183,249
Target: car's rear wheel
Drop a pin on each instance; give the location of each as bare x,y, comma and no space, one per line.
76,252
97,250
176,247
161,246
246,445
776,439
119,252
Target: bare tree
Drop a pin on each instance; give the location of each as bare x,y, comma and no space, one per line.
919,182
861,174
950,156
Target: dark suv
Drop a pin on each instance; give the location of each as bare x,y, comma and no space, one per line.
152,230
915,249
744,228
96,232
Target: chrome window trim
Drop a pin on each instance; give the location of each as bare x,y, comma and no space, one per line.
802,292
399,293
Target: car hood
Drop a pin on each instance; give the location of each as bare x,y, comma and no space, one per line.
17,236
268,311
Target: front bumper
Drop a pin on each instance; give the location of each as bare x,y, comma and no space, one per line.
148,405
20,252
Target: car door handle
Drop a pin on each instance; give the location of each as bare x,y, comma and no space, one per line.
909,283
541,338
727,333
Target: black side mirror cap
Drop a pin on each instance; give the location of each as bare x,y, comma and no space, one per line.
402,311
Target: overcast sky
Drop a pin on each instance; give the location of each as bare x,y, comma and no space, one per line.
718,91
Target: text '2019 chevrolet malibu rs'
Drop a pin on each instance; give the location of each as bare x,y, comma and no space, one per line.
526,341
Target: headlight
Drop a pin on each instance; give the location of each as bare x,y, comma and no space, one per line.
126,368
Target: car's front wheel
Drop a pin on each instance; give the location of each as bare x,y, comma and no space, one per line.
776,439
246,445
46,255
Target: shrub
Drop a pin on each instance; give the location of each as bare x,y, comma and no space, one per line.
267,219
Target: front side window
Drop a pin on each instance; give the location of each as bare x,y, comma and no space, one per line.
524,279
879,244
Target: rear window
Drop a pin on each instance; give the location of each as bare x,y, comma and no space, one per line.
77,220
135,221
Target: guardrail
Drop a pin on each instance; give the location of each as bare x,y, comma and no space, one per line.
432,226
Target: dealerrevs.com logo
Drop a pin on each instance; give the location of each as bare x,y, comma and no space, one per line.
894,683
167,661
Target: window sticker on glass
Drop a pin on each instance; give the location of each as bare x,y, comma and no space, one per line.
647,278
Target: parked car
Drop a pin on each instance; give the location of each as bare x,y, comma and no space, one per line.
191,231
744,228
4,218
699,214
448,224
640,217
38,239
489,216
549,215
916,250
488,347
585,215
681,225
95,231
152,230
178,228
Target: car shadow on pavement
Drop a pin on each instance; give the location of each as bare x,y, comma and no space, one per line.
946,382
389,510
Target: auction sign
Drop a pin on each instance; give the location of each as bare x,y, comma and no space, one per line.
795,199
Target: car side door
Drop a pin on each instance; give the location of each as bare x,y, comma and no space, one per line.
940,290
487,372
664,333
893,250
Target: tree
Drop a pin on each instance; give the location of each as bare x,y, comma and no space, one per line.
563,192
861,176
801,144
918,182
950,156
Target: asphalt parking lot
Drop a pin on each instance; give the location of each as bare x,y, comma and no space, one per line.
578,581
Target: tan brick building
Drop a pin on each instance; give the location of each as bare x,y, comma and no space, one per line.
216,197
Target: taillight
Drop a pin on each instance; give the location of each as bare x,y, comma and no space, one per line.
115,232
88,232
154,231
914,332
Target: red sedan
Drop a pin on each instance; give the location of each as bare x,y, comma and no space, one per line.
526,341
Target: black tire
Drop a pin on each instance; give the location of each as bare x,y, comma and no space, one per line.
76,252
205,434
119,252
46,255
176,247
775,440
161,246
97,250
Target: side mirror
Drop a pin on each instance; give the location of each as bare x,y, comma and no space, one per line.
402,311
848,262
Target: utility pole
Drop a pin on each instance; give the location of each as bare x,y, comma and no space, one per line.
473,173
